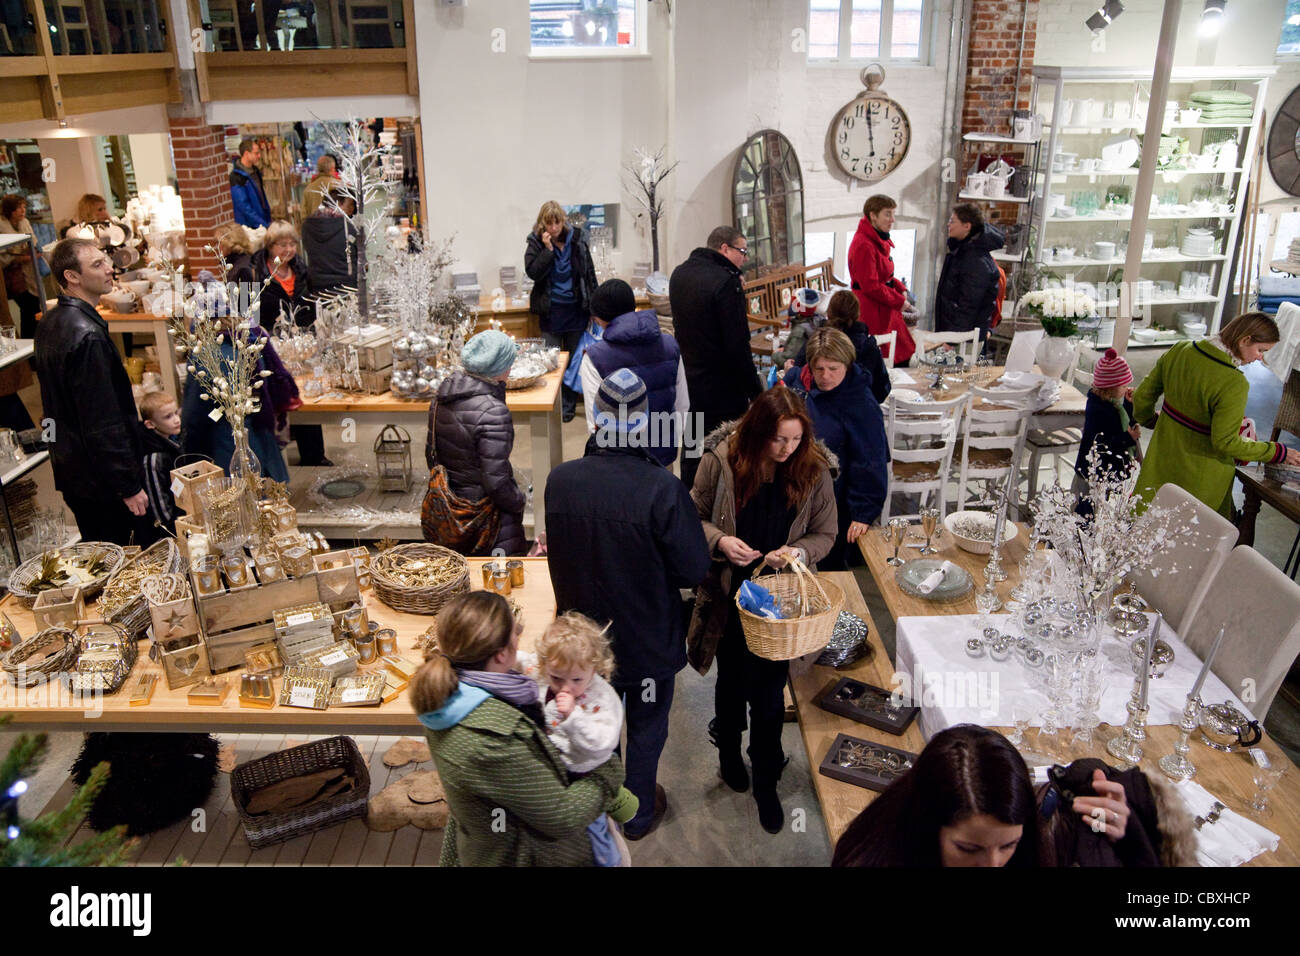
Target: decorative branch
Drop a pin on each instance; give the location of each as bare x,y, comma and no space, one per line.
648,171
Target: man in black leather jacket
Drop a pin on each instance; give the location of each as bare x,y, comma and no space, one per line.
85,392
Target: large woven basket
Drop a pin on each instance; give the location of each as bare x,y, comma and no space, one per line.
268,828
161,557
415,600
783,640
21,580
49,652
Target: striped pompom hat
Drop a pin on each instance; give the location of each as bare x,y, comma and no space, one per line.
1111,371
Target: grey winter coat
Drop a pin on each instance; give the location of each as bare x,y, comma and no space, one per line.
814,528
471,435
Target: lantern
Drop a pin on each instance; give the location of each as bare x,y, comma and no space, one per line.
393,458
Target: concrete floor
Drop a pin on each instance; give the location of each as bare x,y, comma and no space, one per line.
707,823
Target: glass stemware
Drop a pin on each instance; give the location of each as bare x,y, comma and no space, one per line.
897,532
1266,778
929,527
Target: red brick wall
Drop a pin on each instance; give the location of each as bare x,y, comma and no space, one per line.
203,175
991,76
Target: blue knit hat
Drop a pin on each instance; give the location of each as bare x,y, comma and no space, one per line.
623,392
489,353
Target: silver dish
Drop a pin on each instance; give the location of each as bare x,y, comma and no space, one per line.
848,642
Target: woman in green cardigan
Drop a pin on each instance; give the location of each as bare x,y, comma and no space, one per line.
511,800
1198,433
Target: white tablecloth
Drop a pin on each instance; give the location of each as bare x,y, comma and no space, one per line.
952,688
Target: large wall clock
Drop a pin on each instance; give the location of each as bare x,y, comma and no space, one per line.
871,134
1284,146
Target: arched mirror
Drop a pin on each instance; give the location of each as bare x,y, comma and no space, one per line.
767,202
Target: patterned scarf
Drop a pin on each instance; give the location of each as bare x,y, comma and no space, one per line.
515,689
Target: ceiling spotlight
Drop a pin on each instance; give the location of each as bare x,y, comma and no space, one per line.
1104,16
1212,17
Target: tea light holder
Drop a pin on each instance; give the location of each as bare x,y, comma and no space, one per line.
298,560
207,575
235,571
269,569
501,581
365,645
516,569
1000,649
974,647
489,569
386,642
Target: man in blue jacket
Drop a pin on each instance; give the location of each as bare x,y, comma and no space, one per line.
623,540
246,190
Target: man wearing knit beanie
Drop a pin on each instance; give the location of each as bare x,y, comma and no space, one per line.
632,340
624,538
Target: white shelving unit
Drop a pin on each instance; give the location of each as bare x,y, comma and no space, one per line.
1052,86
1024,217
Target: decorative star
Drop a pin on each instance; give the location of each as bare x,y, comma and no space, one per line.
176,621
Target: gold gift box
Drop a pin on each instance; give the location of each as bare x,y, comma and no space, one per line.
264,659
400,667
307,687
209,692
255,690
358,690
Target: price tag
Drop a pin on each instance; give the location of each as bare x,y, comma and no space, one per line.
333,657
354,695
215,414
177,486
302,697
302,617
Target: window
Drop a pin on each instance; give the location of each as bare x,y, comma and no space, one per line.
866,29
587,27
818,247
1288,44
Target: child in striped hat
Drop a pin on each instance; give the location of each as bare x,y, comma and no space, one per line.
1108,423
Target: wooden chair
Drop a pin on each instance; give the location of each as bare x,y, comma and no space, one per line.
890,339
922,438
993,436
767,287
371,15
224,15
130,19
967,344
1260,608
1179,594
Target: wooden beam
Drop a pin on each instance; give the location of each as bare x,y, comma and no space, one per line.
116,62
412,68
23,97
53,92
232,83
22,66
305,58
419,172
201,54
90,93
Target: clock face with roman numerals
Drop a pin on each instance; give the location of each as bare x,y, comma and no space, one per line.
870,137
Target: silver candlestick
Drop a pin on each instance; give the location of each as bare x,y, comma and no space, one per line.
993,570
1176,765
1127,747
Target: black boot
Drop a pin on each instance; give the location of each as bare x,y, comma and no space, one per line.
770,813
731,766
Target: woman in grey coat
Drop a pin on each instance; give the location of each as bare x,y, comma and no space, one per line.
471,434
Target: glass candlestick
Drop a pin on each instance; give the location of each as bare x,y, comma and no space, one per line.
1176,765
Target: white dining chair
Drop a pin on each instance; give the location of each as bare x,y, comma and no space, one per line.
967,344
993,437
1060,444
888,339
1197,557
1259,607
922,438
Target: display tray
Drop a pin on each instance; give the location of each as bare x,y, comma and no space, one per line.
870,705
955,585
865,764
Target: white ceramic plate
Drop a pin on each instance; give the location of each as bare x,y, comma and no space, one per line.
905,395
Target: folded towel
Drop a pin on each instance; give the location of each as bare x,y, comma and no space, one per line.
1220,96
935,579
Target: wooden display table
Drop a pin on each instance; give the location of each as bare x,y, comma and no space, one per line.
1261,490
518,319
1226,775
537,407
49,707
157,327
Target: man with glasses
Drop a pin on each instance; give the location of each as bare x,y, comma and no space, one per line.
707,296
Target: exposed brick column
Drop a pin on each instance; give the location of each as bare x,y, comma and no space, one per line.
203,178
991,75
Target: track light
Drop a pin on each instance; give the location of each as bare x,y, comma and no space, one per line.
1104,16
1212,17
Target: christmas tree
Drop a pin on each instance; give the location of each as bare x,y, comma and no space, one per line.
42,841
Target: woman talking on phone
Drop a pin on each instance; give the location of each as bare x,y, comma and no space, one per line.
558,261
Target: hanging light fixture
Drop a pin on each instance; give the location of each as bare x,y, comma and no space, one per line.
1212,17
1104,16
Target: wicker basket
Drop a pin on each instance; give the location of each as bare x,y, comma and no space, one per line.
20,582
161,557
783,640
15,663
401,597
269,828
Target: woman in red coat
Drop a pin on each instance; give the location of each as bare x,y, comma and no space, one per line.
880,296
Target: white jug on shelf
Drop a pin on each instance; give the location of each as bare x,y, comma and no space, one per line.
976,183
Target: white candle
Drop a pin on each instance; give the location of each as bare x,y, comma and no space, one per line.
198,545
1146,663
1205,668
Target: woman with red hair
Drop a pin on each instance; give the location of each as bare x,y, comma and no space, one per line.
764,493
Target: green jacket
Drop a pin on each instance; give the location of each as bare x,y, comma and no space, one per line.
1197,437
510,797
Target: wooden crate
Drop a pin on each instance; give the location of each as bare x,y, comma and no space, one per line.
336,575
173,620
60,607
376,381
233,622
226,650
185,526
186,482
185,665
